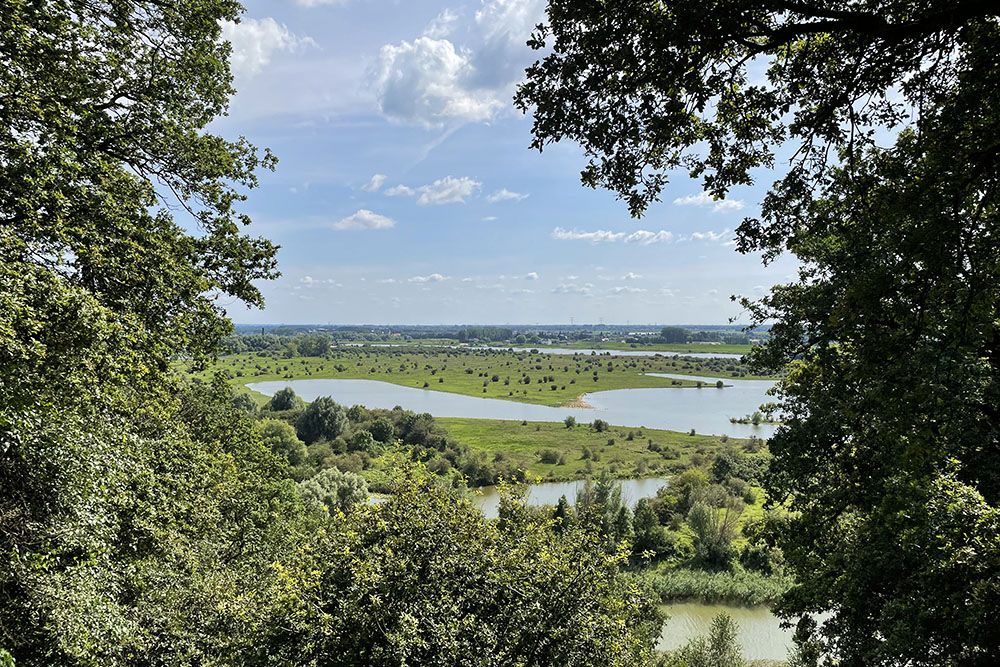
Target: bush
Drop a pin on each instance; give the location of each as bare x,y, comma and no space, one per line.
570,421
549,456
334,490
280,437
285,399
322,419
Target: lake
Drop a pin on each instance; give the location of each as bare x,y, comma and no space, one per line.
760,633
706,410
548,493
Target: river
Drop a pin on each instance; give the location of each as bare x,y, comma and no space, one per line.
706,410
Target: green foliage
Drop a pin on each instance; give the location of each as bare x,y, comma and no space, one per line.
892,209
424,579
363,441
285,399
334,490
323,419
280,437
651,541
382,430
735,586
714,532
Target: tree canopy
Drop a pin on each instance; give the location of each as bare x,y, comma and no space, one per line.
883,119
149,521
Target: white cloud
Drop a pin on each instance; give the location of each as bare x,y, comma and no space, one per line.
713,292
641,236
573,288
447,190
600,236
432,278
626,290
254,41
704,199
710,236
646,237
434,82
429,82
489,218
505,195
388,281
531,276
375,183
631,276
510,20
365,219
400,191
319,3
442,25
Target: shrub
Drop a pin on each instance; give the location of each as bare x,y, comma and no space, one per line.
549,456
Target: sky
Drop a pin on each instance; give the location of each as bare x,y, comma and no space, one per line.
407,193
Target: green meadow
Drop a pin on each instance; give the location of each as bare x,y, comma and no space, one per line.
544,379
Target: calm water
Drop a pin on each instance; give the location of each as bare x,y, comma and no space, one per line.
706,410
760,632
548,493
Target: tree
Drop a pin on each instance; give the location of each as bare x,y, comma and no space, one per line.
382,430
674,335
600,426
281,439
891,427
139,520
651,539
714,531
285,399
362,441
245,403
334,490
323,419
570,421
424,578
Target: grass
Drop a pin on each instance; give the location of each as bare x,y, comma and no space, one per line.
524,444
737,587
682,348
552,380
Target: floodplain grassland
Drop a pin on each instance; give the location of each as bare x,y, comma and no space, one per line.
680,348
552,452
544,379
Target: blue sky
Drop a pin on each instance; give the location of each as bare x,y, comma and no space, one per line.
406,191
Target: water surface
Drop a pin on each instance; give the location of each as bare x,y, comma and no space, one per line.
548,493
706,410
760,633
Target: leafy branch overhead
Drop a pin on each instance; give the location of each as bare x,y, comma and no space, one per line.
720,89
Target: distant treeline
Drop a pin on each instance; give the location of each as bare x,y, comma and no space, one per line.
316,341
